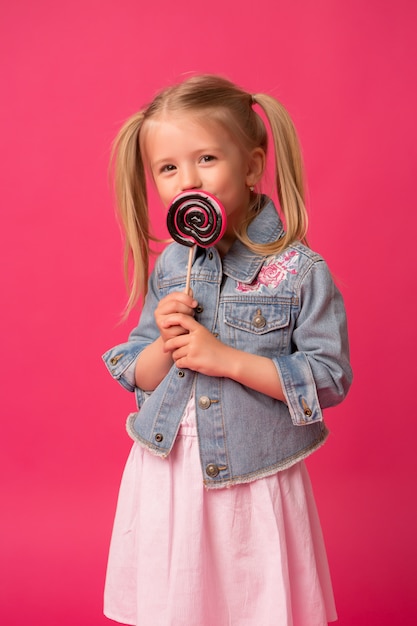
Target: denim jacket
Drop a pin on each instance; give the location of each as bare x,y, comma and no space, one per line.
285,307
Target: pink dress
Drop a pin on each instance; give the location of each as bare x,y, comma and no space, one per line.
184,555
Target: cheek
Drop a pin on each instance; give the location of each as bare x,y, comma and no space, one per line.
164,193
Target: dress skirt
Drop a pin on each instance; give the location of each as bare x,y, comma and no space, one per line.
184,555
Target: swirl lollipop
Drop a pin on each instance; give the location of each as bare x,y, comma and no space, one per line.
196,218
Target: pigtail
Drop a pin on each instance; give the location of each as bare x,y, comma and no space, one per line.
132,207
289,171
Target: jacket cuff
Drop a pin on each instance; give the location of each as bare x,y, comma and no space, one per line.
120,362
299,388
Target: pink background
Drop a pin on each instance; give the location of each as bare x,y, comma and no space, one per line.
71,73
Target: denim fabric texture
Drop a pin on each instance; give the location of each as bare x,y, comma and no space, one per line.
285,307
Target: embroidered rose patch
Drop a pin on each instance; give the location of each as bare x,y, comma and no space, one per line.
273,272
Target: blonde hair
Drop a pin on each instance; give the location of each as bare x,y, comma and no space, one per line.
214,99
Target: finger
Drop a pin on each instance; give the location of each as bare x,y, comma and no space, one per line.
174,307
179,319
177,343
172,332
179,308
181,297
178,354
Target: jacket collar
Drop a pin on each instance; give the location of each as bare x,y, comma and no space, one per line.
242,264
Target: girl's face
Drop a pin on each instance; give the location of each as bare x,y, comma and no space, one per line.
185,154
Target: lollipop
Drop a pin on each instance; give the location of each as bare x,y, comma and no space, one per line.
196,217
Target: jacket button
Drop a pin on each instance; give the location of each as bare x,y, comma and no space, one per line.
307,411
199,309
204,402
159,437
181,373
114,360
259,321
210,255
212,470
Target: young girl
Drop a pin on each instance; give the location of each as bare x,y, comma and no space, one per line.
216,522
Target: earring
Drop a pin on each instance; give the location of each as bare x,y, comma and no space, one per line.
251,188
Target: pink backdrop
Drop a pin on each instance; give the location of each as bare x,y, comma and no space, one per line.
71,73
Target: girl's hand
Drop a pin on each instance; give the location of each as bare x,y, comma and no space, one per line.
155,361
173,303
198,350
195,347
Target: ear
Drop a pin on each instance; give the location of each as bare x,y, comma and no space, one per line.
256,167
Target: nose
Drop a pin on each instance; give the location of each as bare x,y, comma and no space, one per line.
190,178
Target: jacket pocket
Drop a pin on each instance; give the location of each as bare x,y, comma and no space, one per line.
259,327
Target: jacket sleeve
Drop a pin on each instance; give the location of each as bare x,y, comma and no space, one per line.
121,359
317,374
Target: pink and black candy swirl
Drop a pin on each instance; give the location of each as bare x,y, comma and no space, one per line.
196,217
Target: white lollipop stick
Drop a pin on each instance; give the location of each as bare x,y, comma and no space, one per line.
190,263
